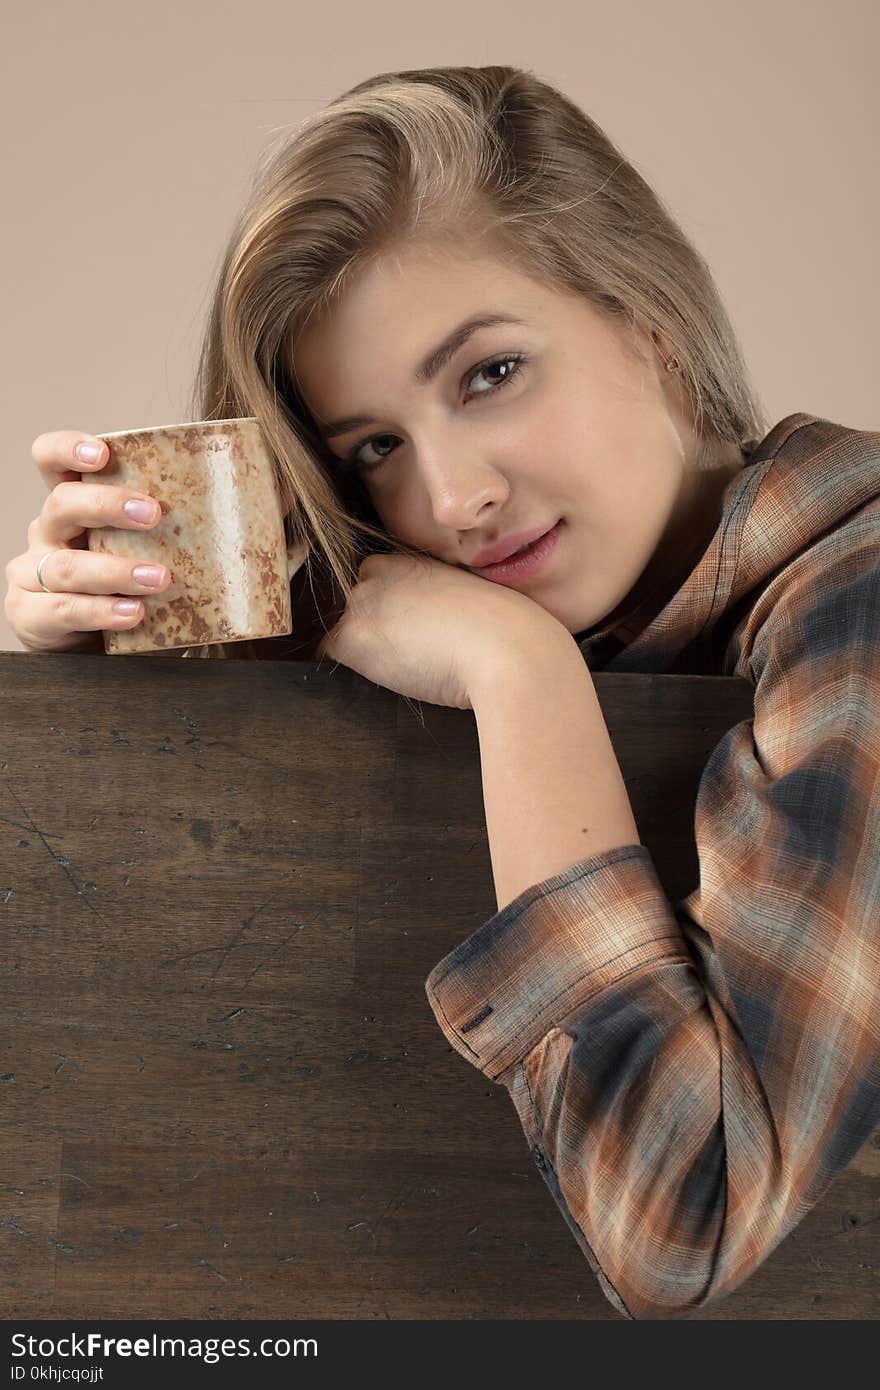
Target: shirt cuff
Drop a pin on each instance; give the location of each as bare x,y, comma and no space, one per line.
550,950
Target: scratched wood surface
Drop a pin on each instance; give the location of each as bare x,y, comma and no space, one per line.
224,1093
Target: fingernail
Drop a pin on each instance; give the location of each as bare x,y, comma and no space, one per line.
139,509
88,453
148,574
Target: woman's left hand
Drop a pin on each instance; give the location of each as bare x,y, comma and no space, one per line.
429,630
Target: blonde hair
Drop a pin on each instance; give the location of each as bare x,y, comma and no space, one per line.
442,155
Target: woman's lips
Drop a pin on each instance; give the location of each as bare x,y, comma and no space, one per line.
502,550
526,565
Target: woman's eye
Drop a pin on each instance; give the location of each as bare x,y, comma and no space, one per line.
513,363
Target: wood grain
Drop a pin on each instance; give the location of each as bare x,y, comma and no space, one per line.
224,1093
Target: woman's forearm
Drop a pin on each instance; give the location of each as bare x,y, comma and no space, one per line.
552,787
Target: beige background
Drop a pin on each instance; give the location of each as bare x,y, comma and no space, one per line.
132,132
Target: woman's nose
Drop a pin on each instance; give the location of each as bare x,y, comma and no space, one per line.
461,490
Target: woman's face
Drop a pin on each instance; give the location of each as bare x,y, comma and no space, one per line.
584,428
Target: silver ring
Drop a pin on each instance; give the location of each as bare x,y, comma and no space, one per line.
40,564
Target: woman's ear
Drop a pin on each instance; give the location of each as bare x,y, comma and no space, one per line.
665,351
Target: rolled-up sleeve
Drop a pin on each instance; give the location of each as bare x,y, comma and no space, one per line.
691,1077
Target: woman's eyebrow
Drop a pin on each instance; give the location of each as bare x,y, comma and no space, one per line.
432,364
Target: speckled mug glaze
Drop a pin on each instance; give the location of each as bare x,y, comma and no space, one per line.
221,534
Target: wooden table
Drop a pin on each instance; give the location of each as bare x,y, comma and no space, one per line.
224,1092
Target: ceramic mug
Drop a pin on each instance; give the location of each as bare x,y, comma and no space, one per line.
221,534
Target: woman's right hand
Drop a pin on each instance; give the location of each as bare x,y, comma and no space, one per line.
84,585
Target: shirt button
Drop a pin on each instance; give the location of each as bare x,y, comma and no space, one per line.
538,1158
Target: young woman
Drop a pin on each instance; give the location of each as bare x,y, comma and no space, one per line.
468,327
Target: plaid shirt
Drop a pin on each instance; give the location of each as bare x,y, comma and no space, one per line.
691,1076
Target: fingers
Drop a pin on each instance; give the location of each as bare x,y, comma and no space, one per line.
67,571
74,507
55,455
88,592
60,622
87,589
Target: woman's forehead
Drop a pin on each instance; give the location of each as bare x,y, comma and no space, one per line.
414,297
